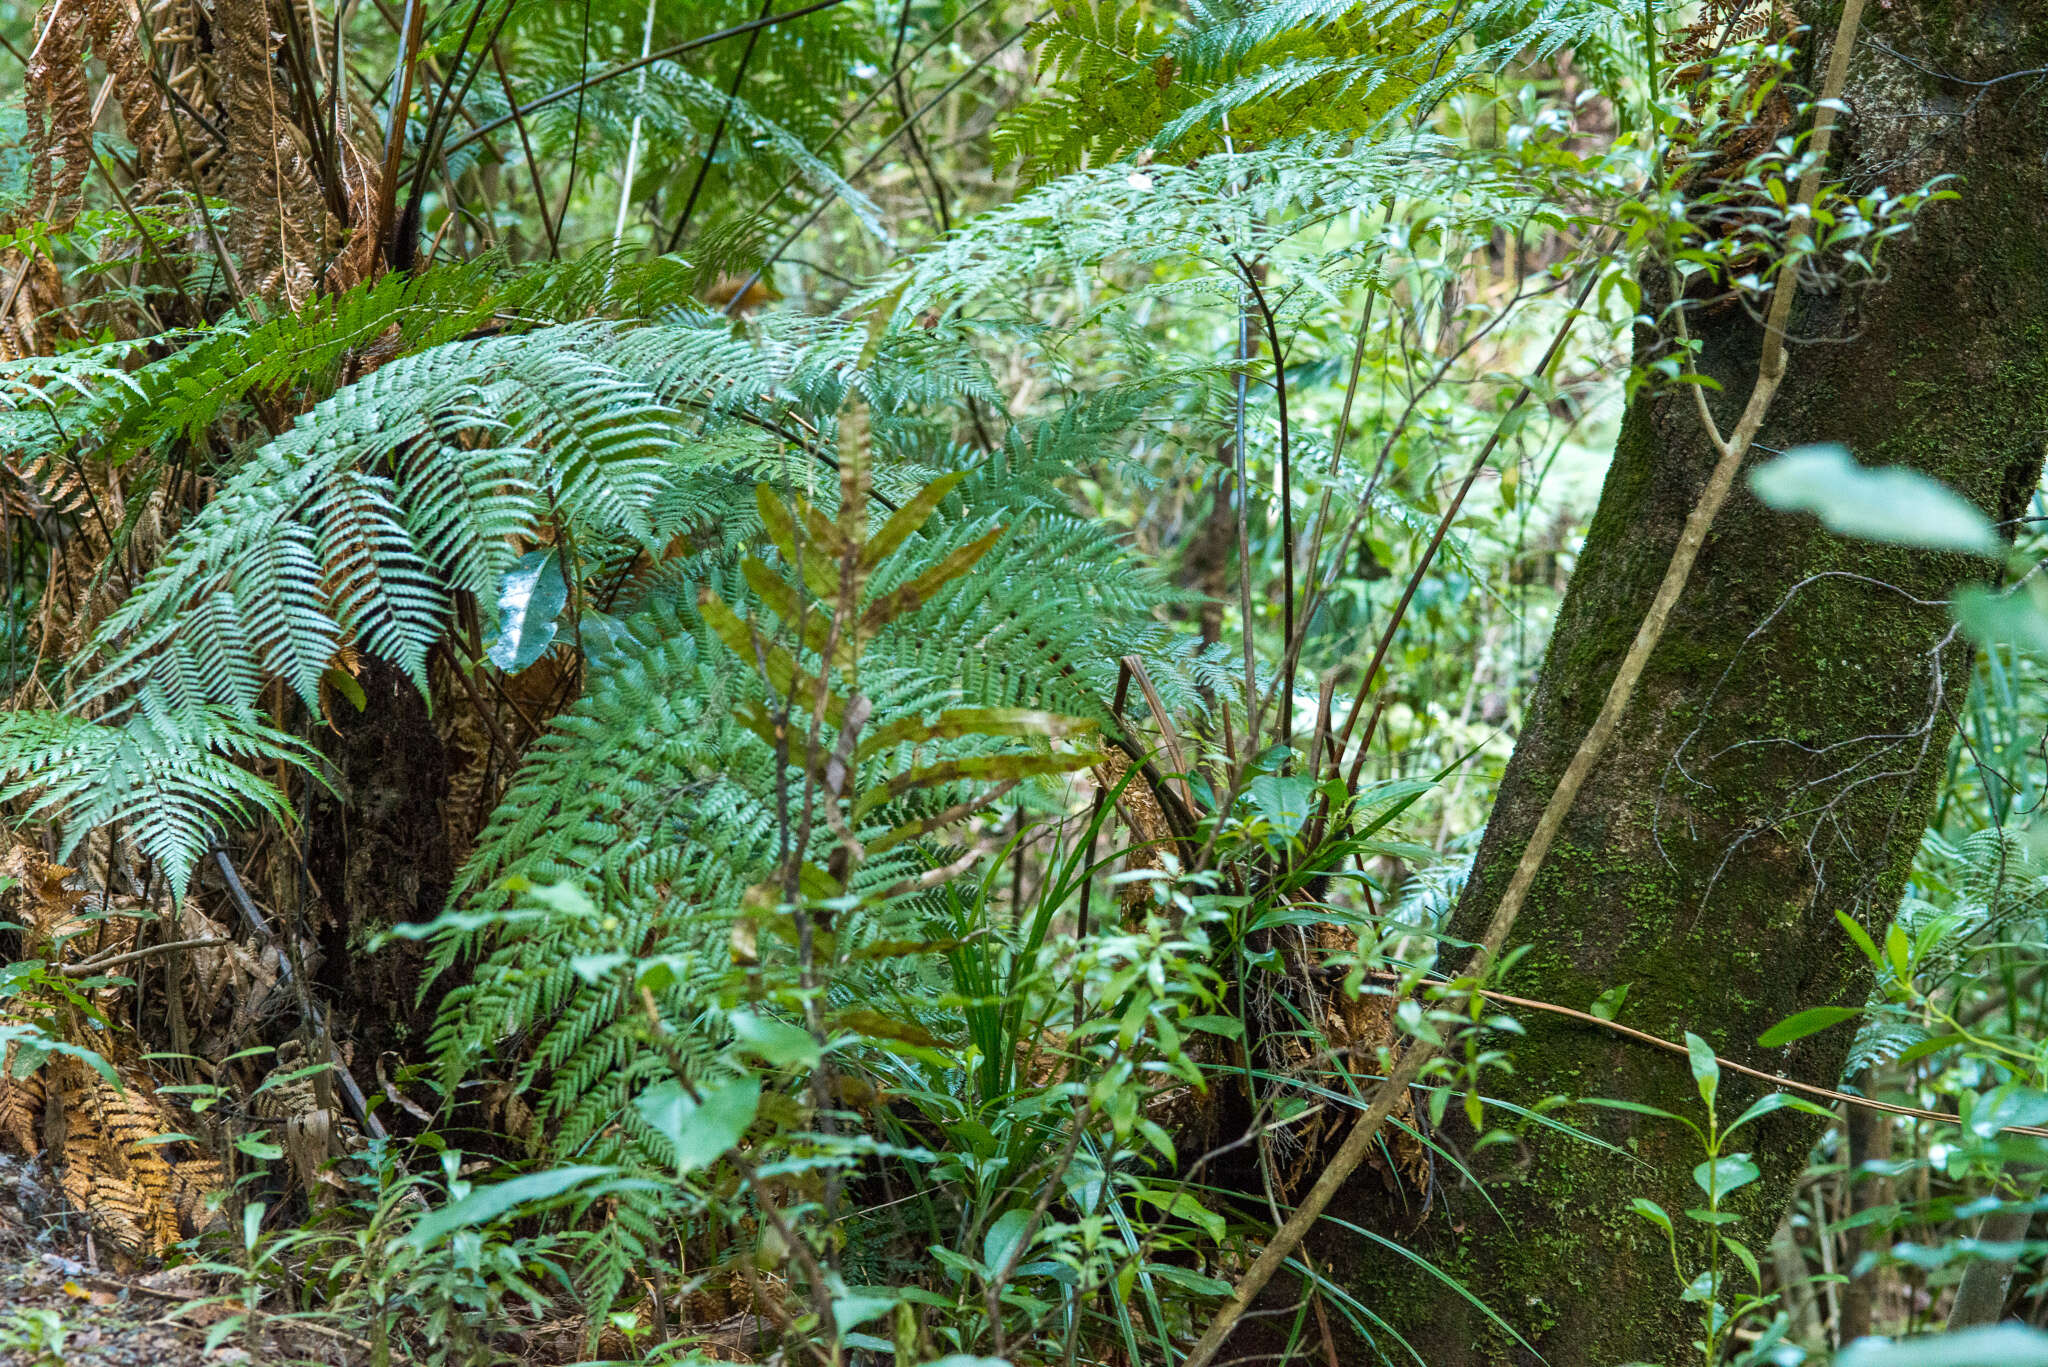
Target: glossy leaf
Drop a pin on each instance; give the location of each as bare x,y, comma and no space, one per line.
2005,1345
485,1204
776,1043
1730,1172
530,596
1706,1069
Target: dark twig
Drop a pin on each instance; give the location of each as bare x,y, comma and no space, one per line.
540,194
1286,717
318,1018
627,68
732,95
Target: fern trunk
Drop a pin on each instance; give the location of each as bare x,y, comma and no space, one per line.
1782,752
378,847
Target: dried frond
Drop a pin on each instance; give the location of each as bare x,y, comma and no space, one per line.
188,68
35,319
21,1103
46,906
58,105
113,27
1723,23
281,230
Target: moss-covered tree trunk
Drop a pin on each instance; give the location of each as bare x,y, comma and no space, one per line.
1779,760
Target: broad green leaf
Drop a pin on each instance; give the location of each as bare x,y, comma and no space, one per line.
701,1131
1185,1206
259,1149
344,683
1651,1211
1898,951
485,1204
2007,1106
1001,1242
1729,1172
1891,504
530,597
1808,1022
1861,938
1741,1250
2014,618
1608,1004
776,1043
856,1305
1706,1069
595,968
1191,1281
1283,801
1778,1101
1930,1046
2005,1345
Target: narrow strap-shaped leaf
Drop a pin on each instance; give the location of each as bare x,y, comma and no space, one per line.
913,595
909,518
788,678
812,623
782,530
971,767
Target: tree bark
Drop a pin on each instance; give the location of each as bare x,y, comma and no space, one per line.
1783,750
379,849
1870,1141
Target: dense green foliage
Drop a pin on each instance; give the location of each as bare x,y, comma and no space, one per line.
970,570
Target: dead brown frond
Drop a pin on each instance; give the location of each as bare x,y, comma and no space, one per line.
58,104
117,1166
114,28
282,230
1724,23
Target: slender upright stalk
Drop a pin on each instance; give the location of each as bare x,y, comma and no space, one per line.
633,142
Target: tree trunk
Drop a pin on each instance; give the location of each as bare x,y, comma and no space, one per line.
1779,760
1870,1141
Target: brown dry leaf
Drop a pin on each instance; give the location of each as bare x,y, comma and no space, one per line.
306,1125
47,905
58,103
1151,836
21,1104
283,227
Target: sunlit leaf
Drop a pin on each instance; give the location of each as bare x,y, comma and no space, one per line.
1809,1022
1891,503
704,1128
